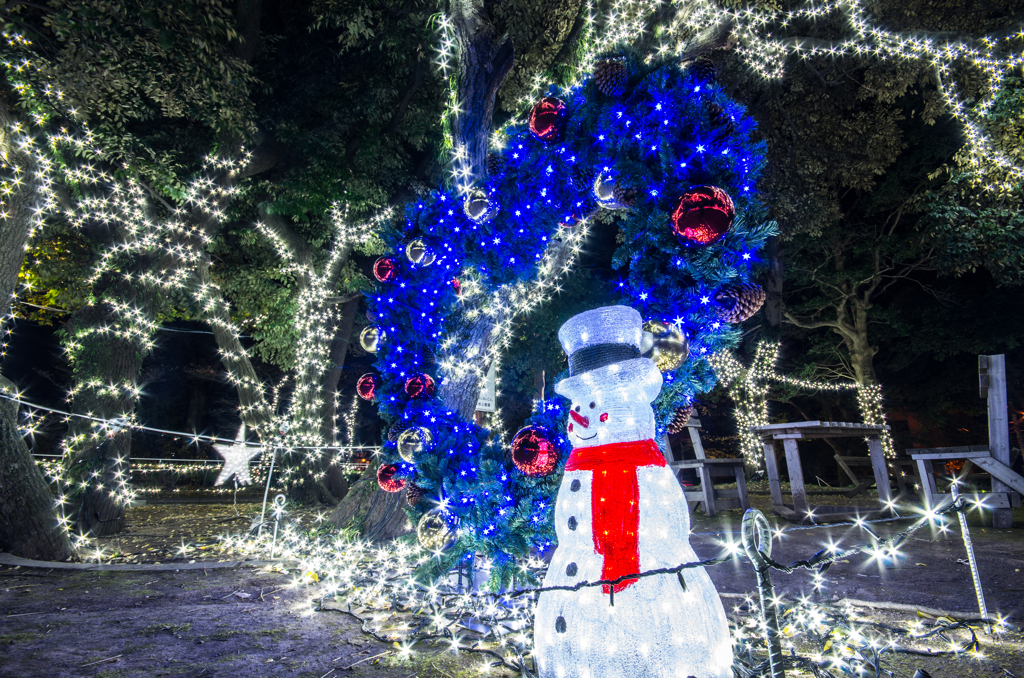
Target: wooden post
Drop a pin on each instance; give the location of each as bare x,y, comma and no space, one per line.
707,487
796,477
773,471
665,445
926,479
881,471
698,447
741,486
992,380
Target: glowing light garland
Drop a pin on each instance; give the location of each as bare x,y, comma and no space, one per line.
54,467
749,386
109,425
316,322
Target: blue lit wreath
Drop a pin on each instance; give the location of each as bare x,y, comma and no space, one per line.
678,158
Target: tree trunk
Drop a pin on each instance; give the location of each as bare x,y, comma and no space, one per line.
374,513
29,524
773,305
18,221
484,62
106,366
338,352
460,392
214,310
862,353
336,481
196,407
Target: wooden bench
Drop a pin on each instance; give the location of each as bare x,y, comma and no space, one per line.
789,434
707,470
977,455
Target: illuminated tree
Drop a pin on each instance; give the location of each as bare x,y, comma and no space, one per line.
30,527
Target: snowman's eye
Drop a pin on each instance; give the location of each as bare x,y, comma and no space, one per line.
593,405
577,408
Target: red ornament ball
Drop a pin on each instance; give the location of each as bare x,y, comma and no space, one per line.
366,387
385,269
546,119
419,386
703,215
533,451
457,286
387,480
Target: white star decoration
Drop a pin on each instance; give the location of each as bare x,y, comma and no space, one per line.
236,459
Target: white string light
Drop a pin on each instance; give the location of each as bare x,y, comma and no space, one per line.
764,46
749,386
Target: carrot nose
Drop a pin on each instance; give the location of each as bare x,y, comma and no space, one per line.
579,419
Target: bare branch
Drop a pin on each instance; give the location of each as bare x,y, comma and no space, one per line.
263,157
809,324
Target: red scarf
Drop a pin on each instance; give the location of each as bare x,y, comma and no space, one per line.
615,502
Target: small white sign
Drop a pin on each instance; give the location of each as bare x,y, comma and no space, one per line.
485,401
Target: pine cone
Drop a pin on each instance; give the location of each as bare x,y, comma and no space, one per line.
610,195
495,164
721,121
581,176
736,303
625,196
679,418
413,492
704,69
611,77
427,354
396,430
719,118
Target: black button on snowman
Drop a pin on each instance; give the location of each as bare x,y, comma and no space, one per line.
620,511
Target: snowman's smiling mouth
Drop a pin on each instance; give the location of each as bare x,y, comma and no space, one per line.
582,438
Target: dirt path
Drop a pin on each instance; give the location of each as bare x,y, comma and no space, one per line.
213,624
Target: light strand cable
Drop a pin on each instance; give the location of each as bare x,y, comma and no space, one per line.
161,329
965,532
180,434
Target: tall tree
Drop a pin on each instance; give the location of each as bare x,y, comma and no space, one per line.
29,526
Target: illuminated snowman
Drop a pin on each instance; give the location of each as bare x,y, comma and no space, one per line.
621,511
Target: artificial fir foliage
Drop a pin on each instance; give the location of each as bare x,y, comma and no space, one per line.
661,139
